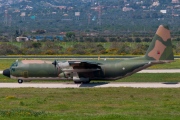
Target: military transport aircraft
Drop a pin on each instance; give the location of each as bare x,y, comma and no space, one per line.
83,71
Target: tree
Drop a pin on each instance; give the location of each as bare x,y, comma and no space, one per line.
165,1
40,31
37,45
70,35
146,40
137,39
113,40
4,39
123,49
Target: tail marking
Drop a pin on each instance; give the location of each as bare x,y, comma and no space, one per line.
157,51
161,46
163,33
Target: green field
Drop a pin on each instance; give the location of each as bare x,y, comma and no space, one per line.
90,104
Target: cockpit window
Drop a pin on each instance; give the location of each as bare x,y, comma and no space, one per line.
14,64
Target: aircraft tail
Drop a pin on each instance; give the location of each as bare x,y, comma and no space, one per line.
161,46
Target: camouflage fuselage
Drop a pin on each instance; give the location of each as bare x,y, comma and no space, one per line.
107,70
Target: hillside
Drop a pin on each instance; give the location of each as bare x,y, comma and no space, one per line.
102,16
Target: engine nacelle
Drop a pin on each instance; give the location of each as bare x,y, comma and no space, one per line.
65,75
63,65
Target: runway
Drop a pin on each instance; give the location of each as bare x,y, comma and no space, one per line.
91,85
160,71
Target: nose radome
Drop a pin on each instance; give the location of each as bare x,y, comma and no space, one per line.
6,73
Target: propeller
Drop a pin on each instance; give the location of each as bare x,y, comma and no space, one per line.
55,63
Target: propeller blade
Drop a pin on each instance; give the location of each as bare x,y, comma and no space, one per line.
55,63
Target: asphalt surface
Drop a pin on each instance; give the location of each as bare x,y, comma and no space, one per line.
160,71
91,85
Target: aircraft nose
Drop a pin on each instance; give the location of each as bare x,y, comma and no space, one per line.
6,72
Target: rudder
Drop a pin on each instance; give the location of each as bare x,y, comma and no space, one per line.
161,45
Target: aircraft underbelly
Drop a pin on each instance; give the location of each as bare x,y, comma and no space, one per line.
121,70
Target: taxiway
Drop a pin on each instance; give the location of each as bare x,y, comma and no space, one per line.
91,85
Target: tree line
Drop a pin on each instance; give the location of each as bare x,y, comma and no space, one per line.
77,48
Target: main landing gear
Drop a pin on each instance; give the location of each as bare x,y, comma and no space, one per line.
20,81
79,80
83,82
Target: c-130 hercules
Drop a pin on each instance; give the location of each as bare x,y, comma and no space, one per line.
82,71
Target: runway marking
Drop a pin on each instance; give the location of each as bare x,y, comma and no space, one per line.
160,71
91,85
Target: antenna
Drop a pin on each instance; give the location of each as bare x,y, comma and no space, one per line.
89,18
6,17
10,20
99,14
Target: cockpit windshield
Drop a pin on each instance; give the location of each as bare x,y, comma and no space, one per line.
15,64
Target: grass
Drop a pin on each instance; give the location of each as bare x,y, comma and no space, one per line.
90,104
152,77
172,65
6,63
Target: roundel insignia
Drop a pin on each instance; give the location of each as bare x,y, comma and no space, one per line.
158,52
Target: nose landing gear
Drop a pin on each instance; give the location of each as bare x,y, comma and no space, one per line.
20,81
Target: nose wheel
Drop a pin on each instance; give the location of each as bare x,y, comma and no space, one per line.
20,81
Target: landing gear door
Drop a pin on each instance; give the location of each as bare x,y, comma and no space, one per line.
26,74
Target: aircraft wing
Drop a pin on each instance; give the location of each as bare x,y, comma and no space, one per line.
82,66
78,66
86,63
86,67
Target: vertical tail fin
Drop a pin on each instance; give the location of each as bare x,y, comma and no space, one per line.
161,46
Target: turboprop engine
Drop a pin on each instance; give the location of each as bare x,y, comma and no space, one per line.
66,75
60,64
64,69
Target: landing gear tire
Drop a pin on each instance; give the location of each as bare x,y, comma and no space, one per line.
20,81
77,82
86,82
